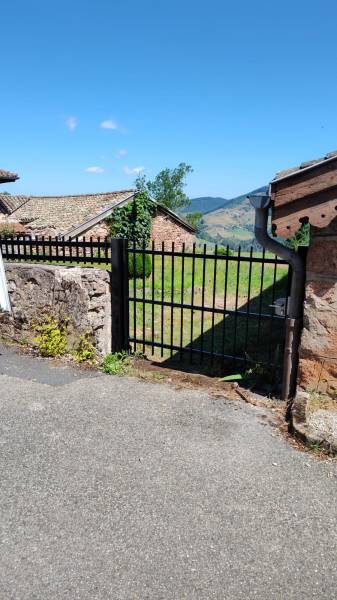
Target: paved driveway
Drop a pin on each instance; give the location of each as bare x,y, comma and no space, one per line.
112,488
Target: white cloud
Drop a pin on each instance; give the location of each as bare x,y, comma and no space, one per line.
134,170
94,170
109,124
71,123
121,153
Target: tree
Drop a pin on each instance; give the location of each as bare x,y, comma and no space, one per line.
194,220
167,188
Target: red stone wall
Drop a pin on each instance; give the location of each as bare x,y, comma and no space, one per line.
100,230
166,229
318,349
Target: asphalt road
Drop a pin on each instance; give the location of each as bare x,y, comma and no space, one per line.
113,488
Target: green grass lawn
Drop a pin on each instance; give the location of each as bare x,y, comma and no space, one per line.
247,287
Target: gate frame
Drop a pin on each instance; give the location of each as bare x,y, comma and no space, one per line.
119,282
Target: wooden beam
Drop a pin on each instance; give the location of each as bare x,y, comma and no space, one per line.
304,183
319,209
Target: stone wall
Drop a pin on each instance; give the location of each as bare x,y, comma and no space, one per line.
82,294
166,229
101,230
318,348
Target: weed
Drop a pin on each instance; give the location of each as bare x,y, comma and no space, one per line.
52,337
116,363
84,351
315,446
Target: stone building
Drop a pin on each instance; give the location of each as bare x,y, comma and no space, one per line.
308,194
85,215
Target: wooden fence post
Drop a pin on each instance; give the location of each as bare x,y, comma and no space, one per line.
119,282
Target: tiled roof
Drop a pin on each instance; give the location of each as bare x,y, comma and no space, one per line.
10,203
63,213
6,176
305,165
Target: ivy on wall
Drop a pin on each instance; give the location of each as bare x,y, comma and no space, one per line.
134,220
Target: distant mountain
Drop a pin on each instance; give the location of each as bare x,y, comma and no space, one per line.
232,223
205,204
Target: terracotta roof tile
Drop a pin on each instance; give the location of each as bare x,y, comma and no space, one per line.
7,176
10,203
305,165
63,213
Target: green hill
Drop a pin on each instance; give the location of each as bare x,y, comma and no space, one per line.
204,204
232,223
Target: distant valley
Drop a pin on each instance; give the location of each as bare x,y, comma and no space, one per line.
226,221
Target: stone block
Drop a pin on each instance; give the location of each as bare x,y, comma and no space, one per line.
322,256
318,348
81,294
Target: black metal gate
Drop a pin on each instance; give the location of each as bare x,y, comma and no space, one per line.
196,305
214,307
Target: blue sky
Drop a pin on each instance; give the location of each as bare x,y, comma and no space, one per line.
238,90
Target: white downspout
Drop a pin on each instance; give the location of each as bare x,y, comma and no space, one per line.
5,305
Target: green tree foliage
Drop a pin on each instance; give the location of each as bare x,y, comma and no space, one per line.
167,188
300,238
133,221
194,220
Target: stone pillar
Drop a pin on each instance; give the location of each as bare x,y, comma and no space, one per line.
318,348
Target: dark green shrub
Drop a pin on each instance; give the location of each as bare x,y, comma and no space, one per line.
137,264
223,251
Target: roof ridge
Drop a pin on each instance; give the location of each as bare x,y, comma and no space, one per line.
13,195
307,165
96,194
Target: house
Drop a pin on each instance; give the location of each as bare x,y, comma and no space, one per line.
85,215
308,194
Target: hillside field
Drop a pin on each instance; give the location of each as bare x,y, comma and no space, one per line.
230,223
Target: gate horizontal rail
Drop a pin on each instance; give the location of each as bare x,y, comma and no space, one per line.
211,256
209,309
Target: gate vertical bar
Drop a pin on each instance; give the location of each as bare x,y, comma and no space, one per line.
119,295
